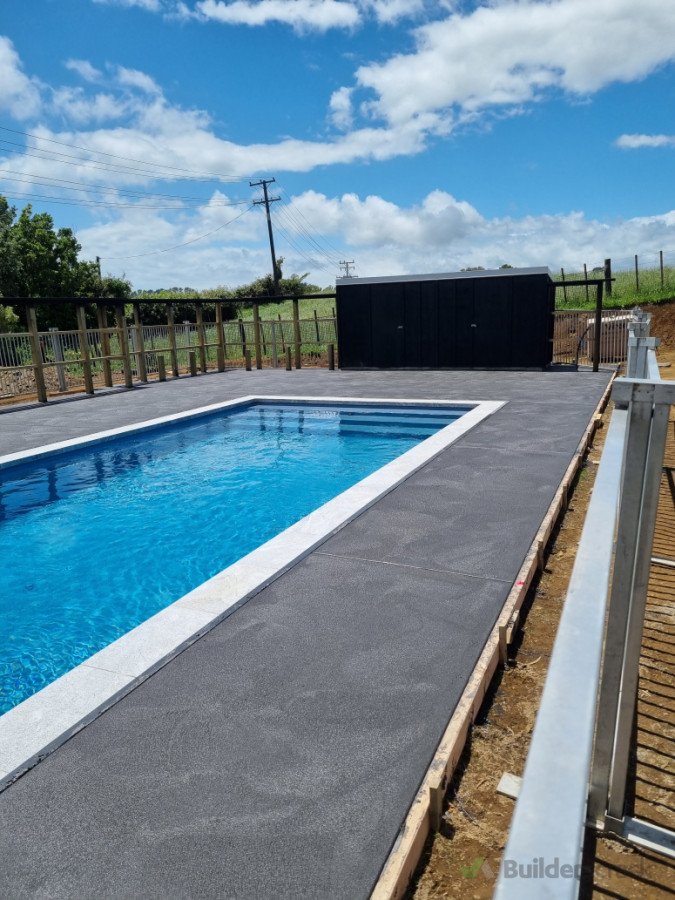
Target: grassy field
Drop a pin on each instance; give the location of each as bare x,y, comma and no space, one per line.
624,291
324,307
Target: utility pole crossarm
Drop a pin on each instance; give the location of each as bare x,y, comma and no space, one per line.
345,264
266,203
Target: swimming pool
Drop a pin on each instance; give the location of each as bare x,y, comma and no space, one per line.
103,538
40,723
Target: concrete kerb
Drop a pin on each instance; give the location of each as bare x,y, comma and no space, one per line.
44,721
424,815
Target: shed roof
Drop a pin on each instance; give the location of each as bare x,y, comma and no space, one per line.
445,276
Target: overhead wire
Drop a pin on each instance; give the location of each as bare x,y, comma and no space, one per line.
185,243
210,176
83,186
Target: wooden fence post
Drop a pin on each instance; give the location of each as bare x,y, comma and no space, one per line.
296,333
84,348
192,362
36,353
161,367
172,339
201,337
661,266
140,344
221,339
637,277
598,327
289,364
256,336
123,337
316,326
331,357
562,273
247,360
586,279
281,329
57,350
608,277
102,318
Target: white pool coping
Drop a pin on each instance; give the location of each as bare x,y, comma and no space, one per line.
45,720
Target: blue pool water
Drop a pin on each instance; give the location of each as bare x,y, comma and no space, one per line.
97,540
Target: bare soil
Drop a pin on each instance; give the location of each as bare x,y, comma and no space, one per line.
462,860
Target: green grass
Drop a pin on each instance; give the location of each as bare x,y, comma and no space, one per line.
624,291
324,308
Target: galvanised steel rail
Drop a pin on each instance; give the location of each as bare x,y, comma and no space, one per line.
578,764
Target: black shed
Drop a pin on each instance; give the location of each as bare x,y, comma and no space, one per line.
480,319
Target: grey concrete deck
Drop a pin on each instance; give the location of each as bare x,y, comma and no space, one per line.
278,755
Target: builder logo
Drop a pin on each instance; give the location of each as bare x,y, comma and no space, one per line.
479,866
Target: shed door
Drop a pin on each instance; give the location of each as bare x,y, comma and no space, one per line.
387,304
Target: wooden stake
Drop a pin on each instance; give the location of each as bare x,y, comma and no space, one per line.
201,337
221,339
140,344
36,354
289,364
161,367
256,336
84,348
192,357
172,339
123,337
247,360
102,317
296,333
637,276
331,357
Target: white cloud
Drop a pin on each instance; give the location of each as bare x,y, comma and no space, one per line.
389,12
341,108
636,141
319,15
83,109
150,5
84,69
19,94
439,234
133,78
513,52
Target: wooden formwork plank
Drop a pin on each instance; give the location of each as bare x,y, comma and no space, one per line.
424,815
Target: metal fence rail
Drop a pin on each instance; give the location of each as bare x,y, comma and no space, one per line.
574,336
578,763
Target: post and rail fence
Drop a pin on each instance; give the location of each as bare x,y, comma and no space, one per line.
578,770
118,353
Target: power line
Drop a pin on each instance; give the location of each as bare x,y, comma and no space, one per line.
301,230
207,175
46,181
100,204
315,264
185,243
299,212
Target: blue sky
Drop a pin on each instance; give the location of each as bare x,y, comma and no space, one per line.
408,135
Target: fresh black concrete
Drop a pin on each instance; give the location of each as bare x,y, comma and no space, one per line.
278,755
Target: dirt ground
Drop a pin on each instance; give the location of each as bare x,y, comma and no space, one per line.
462,860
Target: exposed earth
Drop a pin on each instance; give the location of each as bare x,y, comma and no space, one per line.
462,860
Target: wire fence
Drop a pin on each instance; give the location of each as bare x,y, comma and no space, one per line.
630,279
574,336
61,352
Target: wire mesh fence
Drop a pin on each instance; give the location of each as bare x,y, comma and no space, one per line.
62,354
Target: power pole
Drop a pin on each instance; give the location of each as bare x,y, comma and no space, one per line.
345,264
266,201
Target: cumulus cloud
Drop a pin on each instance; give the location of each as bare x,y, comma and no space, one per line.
150,5
82,109
84,69
133,78
636,141
20,95
340,106
513,52
318,15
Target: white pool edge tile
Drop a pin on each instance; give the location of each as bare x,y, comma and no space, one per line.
44,721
